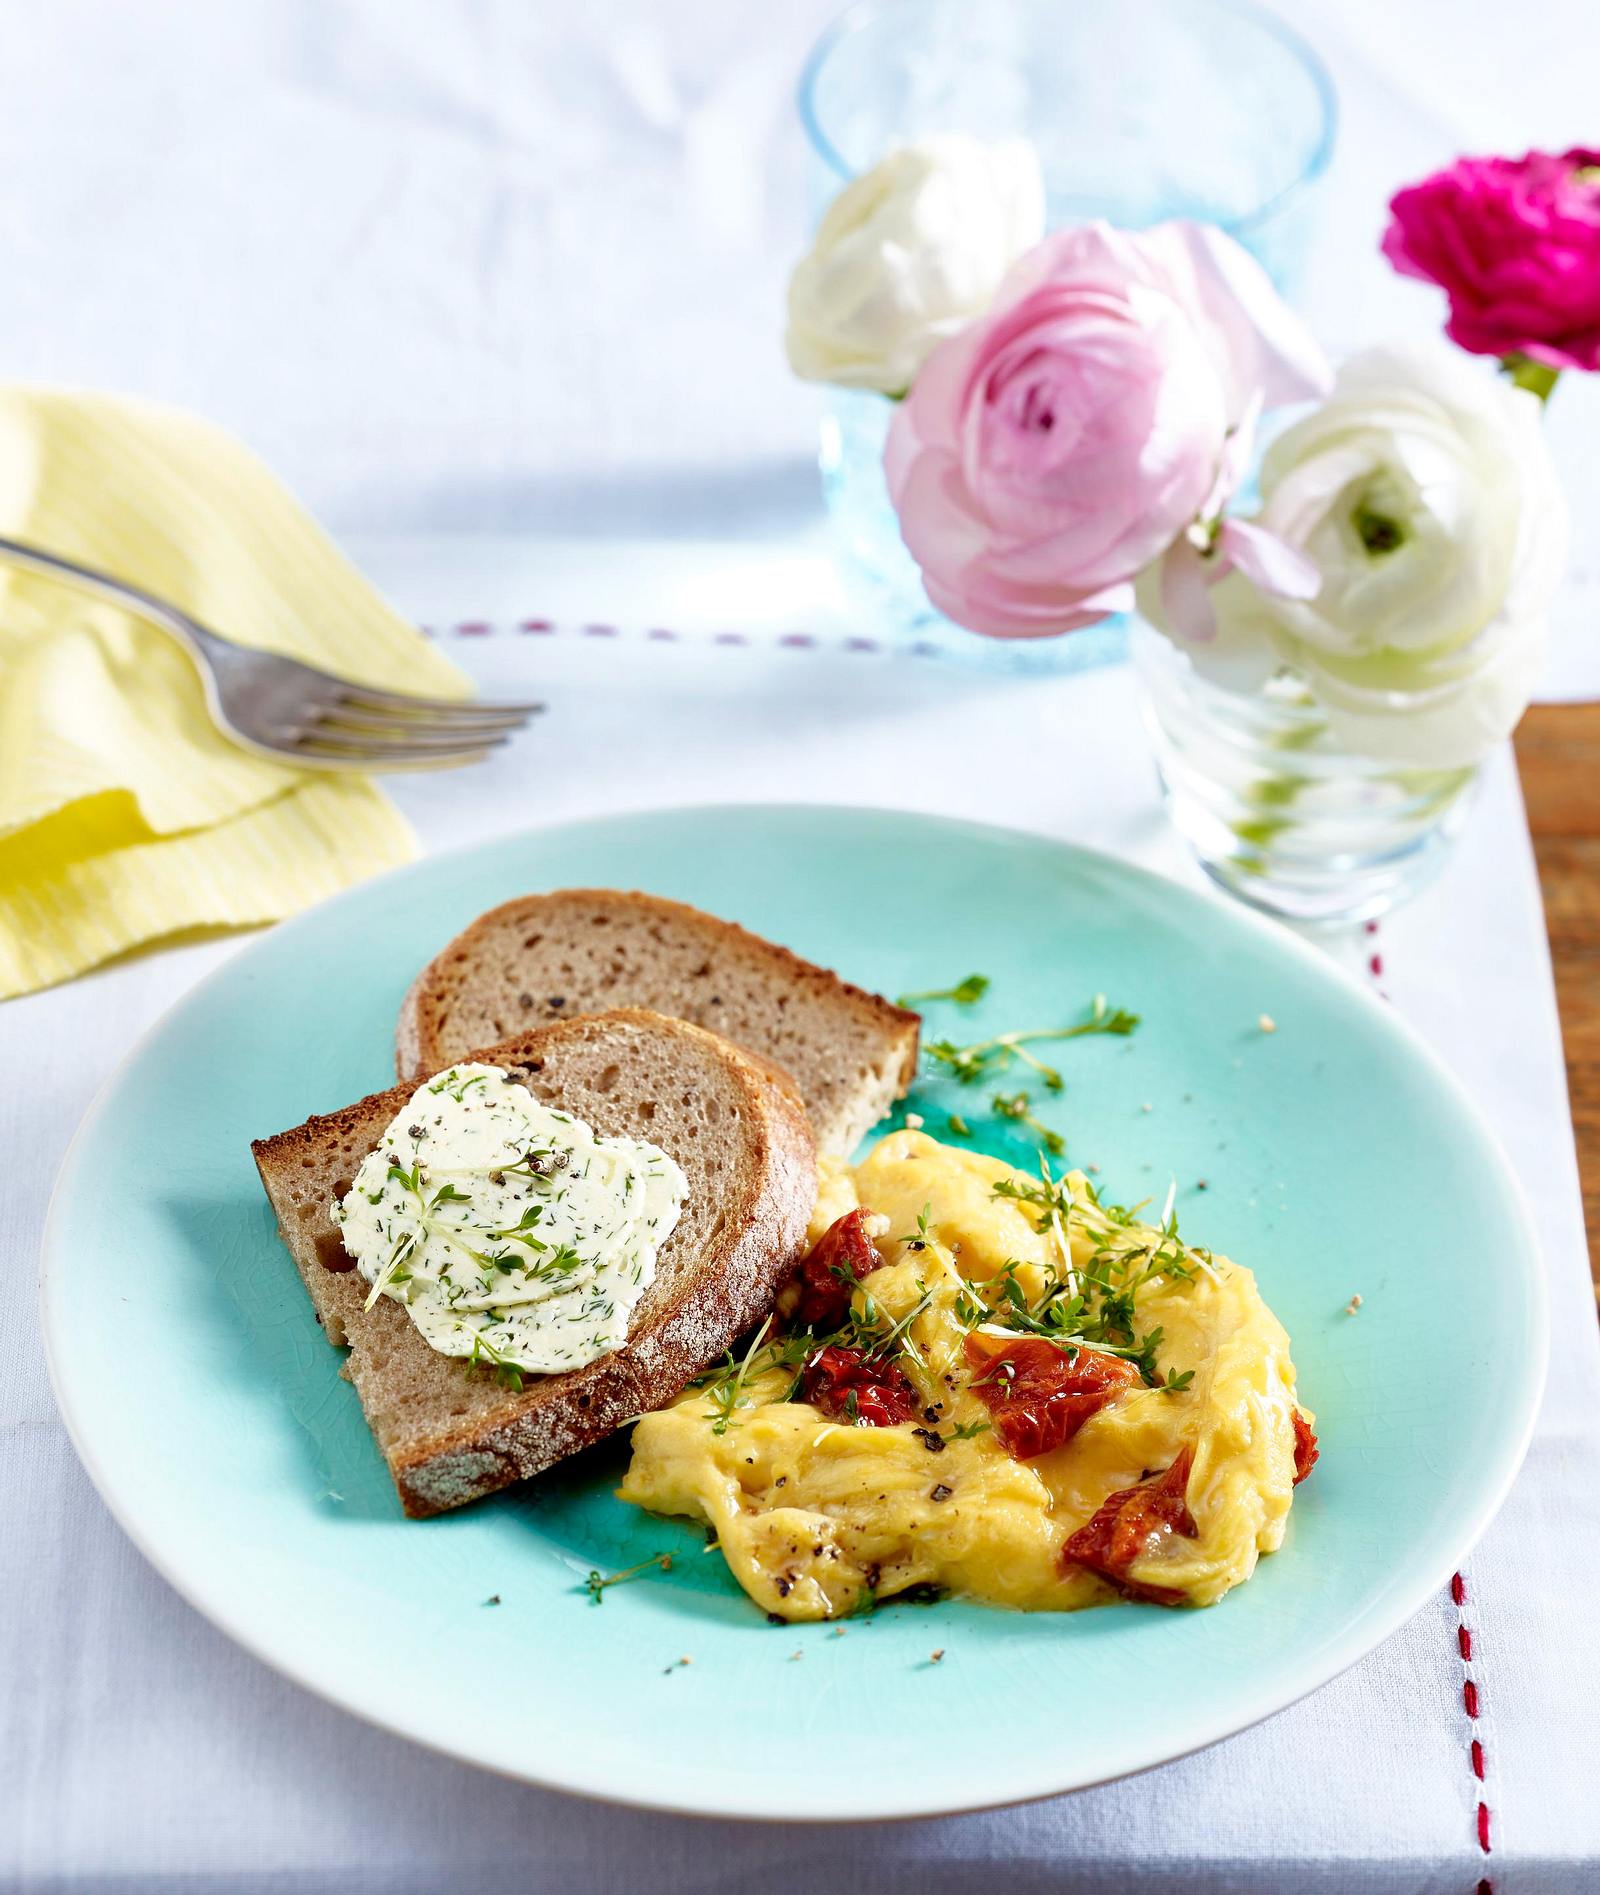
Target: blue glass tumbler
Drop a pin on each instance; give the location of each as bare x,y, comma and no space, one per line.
1140,110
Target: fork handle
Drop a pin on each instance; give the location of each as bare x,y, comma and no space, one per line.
202,643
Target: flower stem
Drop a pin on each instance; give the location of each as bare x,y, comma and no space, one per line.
1537,377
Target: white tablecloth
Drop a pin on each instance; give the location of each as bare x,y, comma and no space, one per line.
138,1746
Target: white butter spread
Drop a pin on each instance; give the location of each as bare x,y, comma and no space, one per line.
510,1233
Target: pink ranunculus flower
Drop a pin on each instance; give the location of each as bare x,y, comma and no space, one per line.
1515,245
1061,441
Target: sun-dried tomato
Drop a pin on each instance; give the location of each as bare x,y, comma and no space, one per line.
841,1256
851,1385
1306,1453
1131,1524
1041,1395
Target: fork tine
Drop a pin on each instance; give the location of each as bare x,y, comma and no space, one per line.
342,747
345,715
383,765
362,743
360,697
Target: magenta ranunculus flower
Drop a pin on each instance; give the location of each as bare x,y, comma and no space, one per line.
1061,441
1515,244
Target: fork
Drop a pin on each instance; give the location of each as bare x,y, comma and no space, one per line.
294,713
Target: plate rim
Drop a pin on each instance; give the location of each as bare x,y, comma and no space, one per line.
1397,1608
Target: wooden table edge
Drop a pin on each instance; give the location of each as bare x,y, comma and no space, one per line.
1558,758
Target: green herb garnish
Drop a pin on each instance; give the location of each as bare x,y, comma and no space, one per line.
965,993
517,1233
597,1582
921,1237
394,1271
559,1262
1093,1304
458,1088
484,1354
727,1390
1016,1106
982,1058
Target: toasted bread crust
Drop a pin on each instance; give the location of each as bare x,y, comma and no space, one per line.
510,1435
885,1035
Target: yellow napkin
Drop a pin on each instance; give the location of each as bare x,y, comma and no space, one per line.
125,815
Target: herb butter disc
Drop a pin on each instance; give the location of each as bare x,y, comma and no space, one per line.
510,1233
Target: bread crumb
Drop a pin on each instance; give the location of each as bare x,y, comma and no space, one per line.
1267,1024
794,1655
914,1121
935,1657
1353,1305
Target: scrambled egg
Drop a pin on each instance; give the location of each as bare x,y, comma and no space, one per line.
817,1515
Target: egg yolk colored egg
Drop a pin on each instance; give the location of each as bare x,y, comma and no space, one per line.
823,1498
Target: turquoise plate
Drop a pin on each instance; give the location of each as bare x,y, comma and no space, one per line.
1337,1156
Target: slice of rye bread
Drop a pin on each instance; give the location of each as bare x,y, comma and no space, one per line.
449,1431
579,950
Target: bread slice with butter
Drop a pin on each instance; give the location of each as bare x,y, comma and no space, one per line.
451,1430
579,950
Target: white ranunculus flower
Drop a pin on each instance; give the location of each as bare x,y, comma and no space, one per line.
908,254
1424,494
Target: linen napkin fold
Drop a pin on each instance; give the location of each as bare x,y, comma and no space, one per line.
125,815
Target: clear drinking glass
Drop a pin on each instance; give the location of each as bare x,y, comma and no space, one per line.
1276,811
1140,110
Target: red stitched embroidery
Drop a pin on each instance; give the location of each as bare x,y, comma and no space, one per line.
1472,1702
660,634
1375,961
